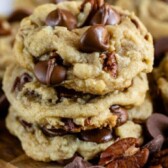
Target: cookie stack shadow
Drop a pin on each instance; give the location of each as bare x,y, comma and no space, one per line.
78,85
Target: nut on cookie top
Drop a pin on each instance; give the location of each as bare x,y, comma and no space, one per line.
88,46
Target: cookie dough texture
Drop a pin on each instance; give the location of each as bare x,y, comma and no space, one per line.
132,47
36,102
161,77
153,13
39,147
6,48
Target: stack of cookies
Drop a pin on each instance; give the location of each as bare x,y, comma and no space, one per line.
80,82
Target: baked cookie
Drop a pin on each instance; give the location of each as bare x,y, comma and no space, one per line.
153,13
7,35
48,147
36,102
79,54
161,77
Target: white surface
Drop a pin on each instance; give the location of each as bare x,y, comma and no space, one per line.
6,7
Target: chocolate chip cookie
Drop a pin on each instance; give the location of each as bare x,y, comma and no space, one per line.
40,103
153,13
47,145
90,48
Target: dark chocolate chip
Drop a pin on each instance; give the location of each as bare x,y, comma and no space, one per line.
4,28
78,162
157,124
49,72
95,39
52,132
21,81
155,145
57,1
110,64
28,126
165,1
69,125
95,6
18,15
105,16
161,47
96,135
61,17
121,113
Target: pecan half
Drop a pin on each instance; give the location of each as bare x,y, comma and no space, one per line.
110,63
124,153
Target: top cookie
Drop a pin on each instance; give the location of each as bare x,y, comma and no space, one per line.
90,47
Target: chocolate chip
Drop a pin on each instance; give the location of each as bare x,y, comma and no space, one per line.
78,162
70,126
18,15
121,113
105,16
21,81
26,125
157,124
161,47
95,6
61,17
155,145
96,135
52,132
49,72
4,28
57,1
165,1
110,64
95,39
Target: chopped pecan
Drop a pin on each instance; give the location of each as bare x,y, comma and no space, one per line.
110,63
124,153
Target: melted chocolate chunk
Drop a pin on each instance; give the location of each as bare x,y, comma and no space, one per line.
95,39
96,135
121,113
105,16
61,17
63,92
157,124
161,47
49,72
4,28
21,81
52,132
18,15
95,6
70,126
26,125
110,64
78,162
58,1
155,145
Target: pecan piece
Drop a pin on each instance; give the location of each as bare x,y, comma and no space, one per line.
124,153
110,64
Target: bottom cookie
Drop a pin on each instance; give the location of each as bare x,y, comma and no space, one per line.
46,147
